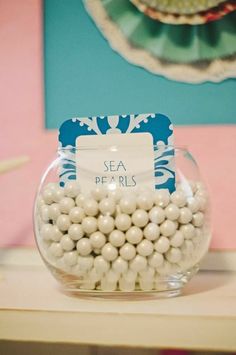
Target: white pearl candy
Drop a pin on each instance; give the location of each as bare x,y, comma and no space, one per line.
127,251
105,224
80,200
123,222
155,260
48,196
46,231
94,276
56,234
140,218
162,245
84,247
66,204
108,286
58,194
178,198
151,231
127,281
157,215
109,252
172,212
66,243
168,228
193,204
76,214
177,239
139,263
72,189
56,250
185,215
134,235
188,231
44,213
198,219
161,198
115,194
145,247
117,238
89,225
98,193
127,204
54,211
173,255
146,284
85,263
76,231
120,265
63,222
107,206
71,258
101,265
145,201
97,239
90,207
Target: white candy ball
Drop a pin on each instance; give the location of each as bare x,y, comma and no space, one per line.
146,284
46,231
127,251
185,215
145,247
172,212
85,263
198,219
178,198
54,211
89,225
148,273
127,204
94,276
48,196
140,218
173,255
56,250
126,286
177,239
193,204
109,252
203,203
71,258
151,231
90,207
188,231
105,224
139,263
162,245
44,213
108,286
97,239
112,276
84,246
76,231
187,248
63,222
157,215
120,265
80,200
58,194
66,204
99,192
107,206
155,260
76,214
117,238
123,222
168,228
134,235
71,189
101,265
66,243
115,194
164,269
161,198
56,234
145,201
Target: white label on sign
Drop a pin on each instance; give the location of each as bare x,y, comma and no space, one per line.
115,160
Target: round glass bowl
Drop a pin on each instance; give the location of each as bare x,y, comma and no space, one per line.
115,241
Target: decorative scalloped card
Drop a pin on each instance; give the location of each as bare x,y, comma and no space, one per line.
123,150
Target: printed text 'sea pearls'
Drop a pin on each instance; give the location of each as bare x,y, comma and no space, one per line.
84,246
109,252
99,193
97,239
172,212
123,222
177,239
117,238
89,225
155,259
127,251
105,224
120,265
127,204
138,263
63,222
140,218
76,215
66,204
134,235
161,198
168,228
76,231
72,189
157,215
151,231
185,215
162,245
107,206
145,247
145,201
66,243
90,207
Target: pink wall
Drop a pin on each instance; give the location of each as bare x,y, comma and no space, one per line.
22,133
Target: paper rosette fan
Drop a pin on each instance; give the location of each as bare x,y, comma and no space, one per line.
182,52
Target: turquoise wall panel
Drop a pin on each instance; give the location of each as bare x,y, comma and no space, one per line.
84,76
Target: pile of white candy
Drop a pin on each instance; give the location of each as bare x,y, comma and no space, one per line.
121,240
